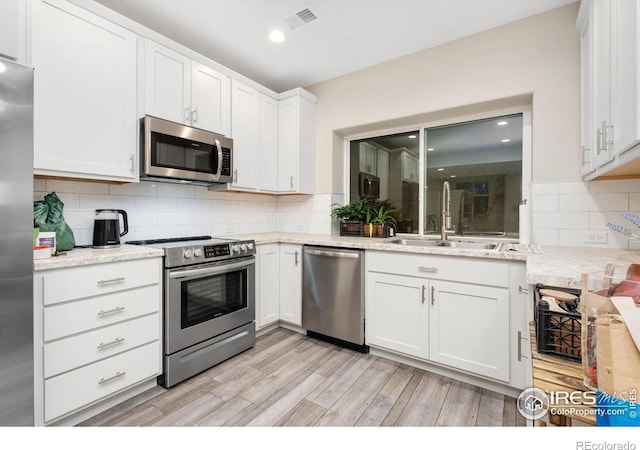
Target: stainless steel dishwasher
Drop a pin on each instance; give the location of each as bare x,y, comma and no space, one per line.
333,295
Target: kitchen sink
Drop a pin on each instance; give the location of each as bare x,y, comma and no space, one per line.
417,242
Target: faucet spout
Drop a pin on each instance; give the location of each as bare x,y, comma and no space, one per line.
445,226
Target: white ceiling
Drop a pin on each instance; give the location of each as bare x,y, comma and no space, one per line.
348,35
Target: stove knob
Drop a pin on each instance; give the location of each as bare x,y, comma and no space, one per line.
188,253
250,246
197,252
236,248
243,247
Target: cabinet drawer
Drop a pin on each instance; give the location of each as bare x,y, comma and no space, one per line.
462,269
68,354
65,393
76,317
99,279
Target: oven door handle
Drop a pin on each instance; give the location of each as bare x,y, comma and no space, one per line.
209,270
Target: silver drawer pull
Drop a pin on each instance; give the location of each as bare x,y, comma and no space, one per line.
106,380
522,290
427,269
109,344
112,280
117,309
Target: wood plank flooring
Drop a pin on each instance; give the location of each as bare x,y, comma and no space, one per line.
289,379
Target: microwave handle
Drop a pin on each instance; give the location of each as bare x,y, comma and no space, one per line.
219,170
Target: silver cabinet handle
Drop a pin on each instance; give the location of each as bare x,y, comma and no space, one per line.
291,181
187,115
519,345
235,176
116,341
131,159
423,289
433,295
585,153
111,378
194,115
117,309
427,269
296,257
522,290
110,281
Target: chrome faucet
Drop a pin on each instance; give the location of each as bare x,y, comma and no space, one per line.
445,226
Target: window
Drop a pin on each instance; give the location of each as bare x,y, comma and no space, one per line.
482,160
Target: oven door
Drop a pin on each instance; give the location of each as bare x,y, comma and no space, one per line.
207,300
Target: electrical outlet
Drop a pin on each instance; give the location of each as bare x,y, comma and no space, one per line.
596,237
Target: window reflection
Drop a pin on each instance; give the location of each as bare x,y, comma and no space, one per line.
482,160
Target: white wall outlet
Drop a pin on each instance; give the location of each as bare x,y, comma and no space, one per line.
596,237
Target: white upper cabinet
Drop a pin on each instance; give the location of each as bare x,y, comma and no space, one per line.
268,144
368,158
244,131
84,94
610,83
13,30
296,143
185,91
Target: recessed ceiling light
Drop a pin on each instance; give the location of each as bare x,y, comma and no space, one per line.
412,136
276,36
3,68
452,176
502,123
430,149
506,140
440,169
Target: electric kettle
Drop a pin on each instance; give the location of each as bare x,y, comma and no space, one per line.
106,228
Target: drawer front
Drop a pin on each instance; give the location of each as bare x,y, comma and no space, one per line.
68,354
99,279
76,389
76,317
462,269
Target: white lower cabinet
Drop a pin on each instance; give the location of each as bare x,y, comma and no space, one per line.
95,338
291,283
469,328
267,284
396,313
457,312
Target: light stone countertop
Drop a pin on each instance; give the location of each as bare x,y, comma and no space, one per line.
86,256
555,266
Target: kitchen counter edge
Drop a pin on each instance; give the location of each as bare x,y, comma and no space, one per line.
87,256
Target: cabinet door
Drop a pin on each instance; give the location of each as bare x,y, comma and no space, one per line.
626,17
587,150
288,145
268,143
85,118
13,33
167,80
244,131
291,284
409,168
397,313
210,99
268,284
368,158
469,328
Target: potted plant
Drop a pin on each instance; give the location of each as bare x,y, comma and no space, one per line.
352,216
378,220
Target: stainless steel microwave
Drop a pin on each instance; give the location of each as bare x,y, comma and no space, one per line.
174,152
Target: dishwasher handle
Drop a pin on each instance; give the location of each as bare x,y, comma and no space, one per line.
333,254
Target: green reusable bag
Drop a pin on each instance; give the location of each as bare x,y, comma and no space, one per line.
47,215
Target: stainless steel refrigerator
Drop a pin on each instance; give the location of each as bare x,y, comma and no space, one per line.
16,244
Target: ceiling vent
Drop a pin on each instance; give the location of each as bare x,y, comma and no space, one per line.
300,18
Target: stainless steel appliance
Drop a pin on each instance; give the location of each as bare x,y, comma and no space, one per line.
173,152
209,303
369,186
106,227
16,245
333,295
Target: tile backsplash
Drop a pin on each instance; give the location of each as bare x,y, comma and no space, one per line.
565,213
159,210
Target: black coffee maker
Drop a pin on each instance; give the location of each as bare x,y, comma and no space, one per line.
106,228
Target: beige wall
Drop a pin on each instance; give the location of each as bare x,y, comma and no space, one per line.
536,59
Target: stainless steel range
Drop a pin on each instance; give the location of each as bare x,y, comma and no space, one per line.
209,302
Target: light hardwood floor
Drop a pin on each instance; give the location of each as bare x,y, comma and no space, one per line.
289,379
